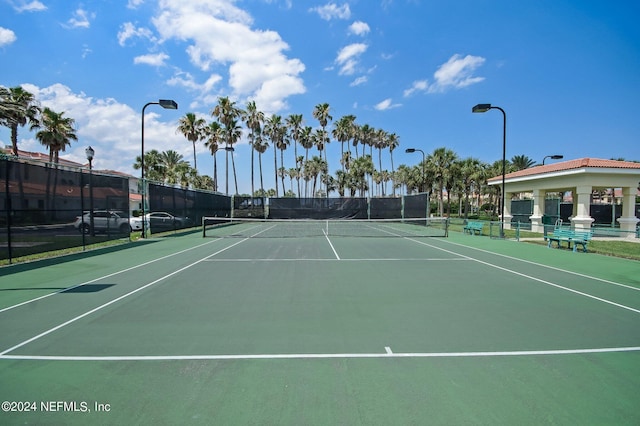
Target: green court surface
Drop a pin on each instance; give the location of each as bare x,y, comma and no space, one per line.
321,331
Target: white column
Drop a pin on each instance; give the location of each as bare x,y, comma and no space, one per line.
582,204
628,220
507,210
538,209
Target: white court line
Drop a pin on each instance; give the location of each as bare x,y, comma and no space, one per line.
532,278
332,248
386,354
104,305
105,276
554,268
388,259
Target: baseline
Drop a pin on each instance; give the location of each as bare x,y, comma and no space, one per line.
388,353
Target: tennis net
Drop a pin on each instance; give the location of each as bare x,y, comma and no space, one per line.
297,228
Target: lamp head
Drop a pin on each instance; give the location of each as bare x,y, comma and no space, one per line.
168,104
90,152
557,157
481,108
410,150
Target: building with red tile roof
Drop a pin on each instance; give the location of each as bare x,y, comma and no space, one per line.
580,177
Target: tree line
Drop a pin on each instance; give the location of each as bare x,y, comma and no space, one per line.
361,173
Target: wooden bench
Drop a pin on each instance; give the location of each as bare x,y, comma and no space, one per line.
473,227
578,238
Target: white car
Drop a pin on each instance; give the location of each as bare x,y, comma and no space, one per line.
110,221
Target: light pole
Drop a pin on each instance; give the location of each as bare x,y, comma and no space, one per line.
485,108
166,104
90,153
553,157
424,160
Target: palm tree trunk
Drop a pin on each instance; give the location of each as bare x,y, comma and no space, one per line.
235,177
275,166
393,175
252,155
226,166
261,181
282,165
215,173
195,166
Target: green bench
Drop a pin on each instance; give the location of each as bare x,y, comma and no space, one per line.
473,227
577,238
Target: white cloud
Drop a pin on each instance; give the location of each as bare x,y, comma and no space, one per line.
358,81
128,30
133,4
80,19
186,80
359,28
220,35
111,128
33,6
331,10
418,86
386,104
153,59
456,73
348,57
7,37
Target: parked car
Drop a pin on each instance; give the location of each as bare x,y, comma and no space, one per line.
163,221
108,221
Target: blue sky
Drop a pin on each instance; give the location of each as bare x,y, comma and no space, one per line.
567,73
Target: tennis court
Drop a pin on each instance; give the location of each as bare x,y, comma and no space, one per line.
380,327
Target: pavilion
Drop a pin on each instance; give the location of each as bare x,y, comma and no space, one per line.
581,177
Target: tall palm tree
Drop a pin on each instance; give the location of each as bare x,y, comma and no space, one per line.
192,128
233,134
357,137
393,141
380,142
227,112
214,135
321,112
276,131
468,175
343,132
452,182
306,141
294,125
57,132
320,140
439,163
299,165
253,119
366,137
261,146
18,107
